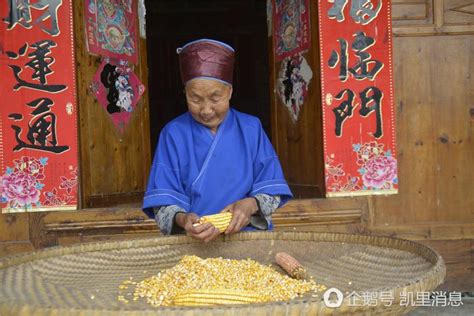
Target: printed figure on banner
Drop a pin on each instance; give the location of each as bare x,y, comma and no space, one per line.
291,27
111,29
118,90
293,81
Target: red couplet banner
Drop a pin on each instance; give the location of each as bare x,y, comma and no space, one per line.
357,97
38,131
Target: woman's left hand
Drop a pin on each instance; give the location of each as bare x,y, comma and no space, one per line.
241,212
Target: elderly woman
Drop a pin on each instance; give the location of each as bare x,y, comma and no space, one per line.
213,158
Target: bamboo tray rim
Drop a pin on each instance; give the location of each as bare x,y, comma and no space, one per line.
430,279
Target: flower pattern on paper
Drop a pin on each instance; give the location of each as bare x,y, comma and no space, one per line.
377,170
52,198
21,185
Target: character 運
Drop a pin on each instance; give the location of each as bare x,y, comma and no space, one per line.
39,63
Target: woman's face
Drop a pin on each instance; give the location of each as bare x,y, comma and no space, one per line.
208,101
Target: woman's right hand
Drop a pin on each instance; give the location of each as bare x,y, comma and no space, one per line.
204,232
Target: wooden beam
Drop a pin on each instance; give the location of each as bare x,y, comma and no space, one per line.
280,219
432,30
427,231
9,248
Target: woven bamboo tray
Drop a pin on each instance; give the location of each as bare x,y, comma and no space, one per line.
84,279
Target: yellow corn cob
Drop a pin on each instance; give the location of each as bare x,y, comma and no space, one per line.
220,220
206,297
290,265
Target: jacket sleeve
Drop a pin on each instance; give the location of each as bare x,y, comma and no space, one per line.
164,183
268,174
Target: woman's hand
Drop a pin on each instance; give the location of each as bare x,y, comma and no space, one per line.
204,232
241,212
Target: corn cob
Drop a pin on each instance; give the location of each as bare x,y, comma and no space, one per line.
220,220
291,265
205,297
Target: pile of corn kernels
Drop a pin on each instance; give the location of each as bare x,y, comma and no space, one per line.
194,273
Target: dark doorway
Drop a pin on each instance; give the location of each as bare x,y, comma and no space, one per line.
240,23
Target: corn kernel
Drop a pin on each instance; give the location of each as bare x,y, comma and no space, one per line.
218,281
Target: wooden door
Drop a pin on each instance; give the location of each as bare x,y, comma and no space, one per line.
299,144
113,167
